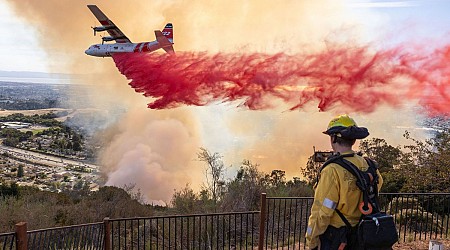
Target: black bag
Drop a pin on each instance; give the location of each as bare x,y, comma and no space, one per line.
377,231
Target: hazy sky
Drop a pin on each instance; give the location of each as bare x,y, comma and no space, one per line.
21,51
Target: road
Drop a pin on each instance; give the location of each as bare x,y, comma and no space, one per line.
43,159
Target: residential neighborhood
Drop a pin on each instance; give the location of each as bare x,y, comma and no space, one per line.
39,149
28,168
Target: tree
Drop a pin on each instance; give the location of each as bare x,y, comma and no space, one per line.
243,192
299,188
185,200
277,177
9,190
20,171
380,151
76,146
426,165
311,171
214,173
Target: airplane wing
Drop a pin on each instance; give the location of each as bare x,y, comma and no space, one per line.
112,29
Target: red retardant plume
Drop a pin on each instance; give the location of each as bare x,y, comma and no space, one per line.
356,78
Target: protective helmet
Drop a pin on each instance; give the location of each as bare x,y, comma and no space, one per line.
345,127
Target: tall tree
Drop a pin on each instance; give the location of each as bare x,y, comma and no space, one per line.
215,169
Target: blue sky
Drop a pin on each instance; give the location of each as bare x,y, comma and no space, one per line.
20,50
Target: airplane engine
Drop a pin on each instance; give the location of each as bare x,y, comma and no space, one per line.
108,38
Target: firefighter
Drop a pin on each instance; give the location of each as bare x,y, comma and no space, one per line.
336,189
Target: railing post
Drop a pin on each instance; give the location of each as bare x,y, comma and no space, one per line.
262,222
21,236
107,238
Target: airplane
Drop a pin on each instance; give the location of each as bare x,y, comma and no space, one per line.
164,39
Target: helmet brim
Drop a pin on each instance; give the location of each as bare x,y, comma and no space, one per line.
334,130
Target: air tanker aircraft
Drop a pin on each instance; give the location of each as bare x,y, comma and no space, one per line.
164,39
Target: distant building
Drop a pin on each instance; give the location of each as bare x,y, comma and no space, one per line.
15,125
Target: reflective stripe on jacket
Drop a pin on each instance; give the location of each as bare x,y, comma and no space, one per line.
336,189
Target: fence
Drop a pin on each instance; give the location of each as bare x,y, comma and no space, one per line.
419,215
204,231
85,236
283,225
8,241
286,221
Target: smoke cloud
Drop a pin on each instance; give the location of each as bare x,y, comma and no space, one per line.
148,146
141,151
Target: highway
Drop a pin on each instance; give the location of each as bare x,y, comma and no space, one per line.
44,159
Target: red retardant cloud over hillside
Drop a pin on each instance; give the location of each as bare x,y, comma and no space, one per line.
358,79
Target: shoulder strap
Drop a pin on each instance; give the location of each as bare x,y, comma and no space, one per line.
347,224
373,192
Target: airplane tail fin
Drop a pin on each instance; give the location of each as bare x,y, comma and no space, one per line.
165,38
168,32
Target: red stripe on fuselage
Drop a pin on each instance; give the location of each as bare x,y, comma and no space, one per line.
136,49
145,47
105,22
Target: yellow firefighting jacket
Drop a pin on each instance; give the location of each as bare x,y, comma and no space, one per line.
336,189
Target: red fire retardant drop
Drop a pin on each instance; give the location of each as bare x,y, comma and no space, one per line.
357,78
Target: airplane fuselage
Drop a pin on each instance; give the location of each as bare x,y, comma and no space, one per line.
164,38
106,50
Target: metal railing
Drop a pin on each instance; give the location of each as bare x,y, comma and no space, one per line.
281,224
7,241
286,221
203,231
85,236
419,215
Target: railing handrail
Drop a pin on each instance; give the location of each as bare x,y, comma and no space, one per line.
289,198
311,197
7,234
183,215
414,194
64,227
